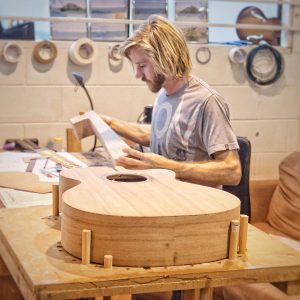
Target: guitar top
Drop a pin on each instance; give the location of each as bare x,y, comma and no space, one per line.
143,193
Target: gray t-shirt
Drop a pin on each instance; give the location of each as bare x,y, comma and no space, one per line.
191,124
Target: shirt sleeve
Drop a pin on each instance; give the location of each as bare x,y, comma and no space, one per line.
215,128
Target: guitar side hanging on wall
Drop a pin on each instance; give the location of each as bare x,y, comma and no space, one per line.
253,15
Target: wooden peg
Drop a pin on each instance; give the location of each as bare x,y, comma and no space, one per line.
234,239
108,261
243,234
73,143
55,200
86,247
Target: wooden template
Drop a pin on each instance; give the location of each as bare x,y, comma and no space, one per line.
30,246
24,181
91,123
158,221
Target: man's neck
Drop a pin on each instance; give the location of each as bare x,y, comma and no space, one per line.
173,85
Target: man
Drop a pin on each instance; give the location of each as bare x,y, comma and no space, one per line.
190,131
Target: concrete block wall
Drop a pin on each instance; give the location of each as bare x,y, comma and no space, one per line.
38,100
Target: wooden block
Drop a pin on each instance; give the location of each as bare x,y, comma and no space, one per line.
73,143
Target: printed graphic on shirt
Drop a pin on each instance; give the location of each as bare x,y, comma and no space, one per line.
162,120
173,129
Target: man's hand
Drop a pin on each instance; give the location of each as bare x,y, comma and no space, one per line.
107,119
224,169
140,161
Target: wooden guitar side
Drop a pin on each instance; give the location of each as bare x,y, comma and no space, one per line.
157,222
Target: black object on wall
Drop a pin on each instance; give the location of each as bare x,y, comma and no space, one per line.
264,64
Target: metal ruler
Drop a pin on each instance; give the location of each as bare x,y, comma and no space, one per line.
30,165
57,158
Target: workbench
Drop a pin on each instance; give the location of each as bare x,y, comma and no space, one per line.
31,249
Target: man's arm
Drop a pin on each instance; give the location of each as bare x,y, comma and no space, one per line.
137,133
225,169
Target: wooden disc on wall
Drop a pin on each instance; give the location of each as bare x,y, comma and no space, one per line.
145,218
45,52
83,52
11,52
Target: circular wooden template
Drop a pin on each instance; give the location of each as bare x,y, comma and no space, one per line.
45,52
155,222
11,52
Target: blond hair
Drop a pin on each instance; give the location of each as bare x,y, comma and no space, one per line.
164,44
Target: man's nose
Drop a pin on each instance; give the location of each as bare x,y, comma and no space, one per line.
138,73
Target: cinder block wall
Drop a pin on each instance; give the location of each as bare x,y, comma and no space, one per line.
38,100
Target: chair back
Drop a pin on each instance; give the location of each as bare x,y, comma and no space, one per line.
242,190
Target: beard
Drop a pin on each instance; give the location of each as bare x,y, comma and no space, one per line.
155,85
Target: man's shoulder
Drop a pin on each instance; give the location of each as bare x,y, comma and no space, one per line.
201,89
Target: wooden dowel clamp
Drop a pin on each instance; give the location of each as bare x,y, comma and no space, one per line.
243,234
108,261
55,200
86,246
234,239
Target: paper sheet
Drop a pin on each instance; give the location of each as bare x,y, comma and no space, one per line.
43,167
13,198
14,161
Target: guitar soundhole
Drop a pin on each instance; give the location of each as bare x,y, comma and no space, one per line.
126,178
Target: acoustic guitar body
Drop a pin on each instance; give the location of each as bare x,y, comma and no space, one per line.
253,15
144,218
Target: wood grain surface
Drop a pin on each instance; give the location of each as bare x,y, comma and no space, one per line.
30,245
156,222
24,181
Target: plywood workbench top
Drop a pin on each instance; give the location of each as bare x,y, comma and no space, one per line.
31,248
